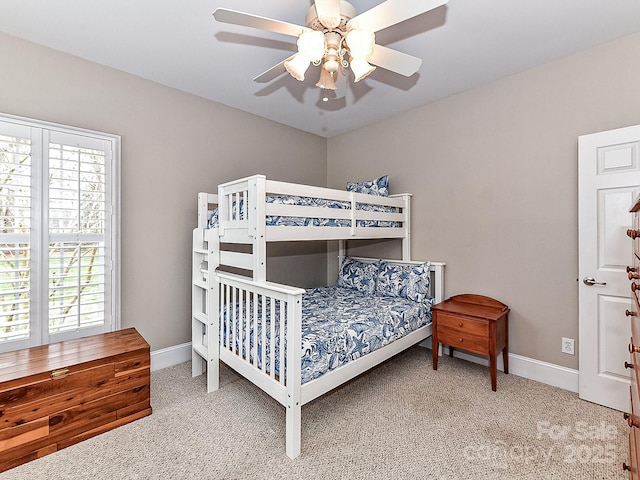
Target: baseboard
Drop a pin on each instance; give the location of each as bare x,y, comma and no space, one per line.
167,357
544,372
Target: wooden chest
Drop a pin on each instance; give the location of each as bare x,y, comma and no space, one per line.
56,395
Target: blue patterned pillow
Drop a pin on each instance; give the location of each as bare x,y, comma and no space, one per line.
379,186
406,281
358,275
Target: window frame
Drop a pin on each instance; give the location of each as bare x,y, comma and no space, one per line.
39,328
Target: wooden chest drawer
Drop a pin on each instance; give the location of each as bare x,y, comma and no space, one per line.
471,335
57,395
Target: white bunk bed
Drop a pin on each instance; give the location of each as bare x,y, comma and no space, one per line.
228,308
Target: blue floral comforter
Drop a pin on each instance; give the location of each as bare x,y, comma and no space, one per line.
342,324
273,220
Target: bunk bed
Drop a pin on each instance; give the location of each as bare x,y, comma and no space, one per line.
298,344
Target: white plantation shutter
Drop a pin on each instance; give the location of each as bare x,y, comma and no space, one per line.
57,279
78,233
15,223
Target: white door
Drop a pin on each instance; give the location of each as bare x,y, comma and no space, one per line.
608,180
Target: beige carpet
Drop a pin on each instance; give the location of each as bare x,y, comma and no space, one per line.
401,420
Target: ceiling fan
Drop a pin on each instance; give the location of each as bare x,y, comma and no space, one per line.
337,38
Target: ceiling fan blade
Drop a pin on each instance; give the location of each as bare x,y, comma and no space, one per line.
255,21
391,12
328,12
394,60
273,72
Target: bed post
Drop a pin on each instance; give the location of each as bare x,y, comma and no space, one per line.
342,252
438,271
406,240
256,213
203,209
213,311
294,375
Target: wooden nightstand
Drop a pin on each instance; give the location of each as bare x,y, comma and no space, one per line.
474,323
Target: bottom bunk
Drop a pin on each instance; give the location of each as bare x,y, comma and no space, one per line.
297,345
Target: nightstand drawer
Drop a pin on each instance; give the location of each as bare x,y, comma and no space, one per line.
465,340
463,325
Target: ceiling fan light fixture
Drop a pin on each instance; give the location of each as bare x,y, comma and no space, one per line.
311,45
310,49
360,43
297,66
326,81
361,68
331,63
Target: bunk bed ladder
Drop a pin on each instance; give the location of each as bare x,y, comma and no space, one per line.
204,325
199,303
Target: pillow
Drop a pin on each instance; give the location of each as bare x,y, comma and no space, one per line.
358,275
406,281
379,186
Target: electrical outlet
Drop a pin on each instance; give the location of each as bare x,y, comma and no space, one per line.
568,346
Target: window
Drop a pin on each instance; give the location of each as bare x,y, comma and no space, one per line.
59,233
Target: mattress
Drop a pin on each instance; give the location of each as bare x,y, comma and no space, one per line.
291,221
339,325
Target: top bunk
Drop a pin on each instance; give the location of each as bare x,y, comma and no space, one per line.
256,209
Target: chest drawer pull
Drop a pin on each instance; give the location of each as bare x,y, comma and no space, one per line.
631,269
60,373
635,286
634,276
630,313
634,348
628,365
633,233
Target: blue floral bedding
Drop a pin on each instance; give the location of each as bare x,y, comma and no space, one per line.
342,324
277,220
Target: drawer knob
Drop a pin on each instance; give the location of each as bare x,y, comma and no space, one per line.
633,276
631,269
460,339
460,324
633,422
626,467
630,313
634,348
633,233
60,373
635,286
628,365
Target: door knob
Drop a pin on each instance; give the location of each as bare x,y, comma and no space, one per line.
592,281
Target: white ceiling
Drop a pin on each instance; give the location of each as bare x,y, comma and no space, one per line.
463,44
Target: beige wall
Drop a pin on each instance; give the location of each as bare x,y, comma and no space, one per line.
173,145
493,172
494,177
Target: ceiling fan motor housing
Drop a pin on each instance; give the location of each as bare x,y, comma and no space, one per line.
347,12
